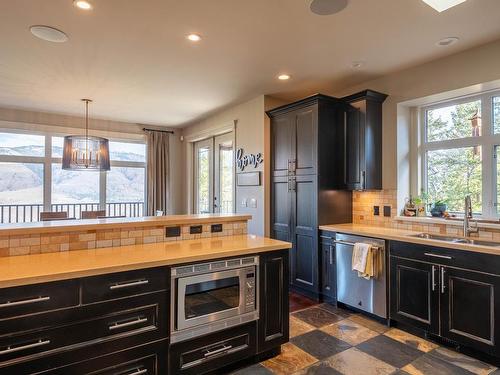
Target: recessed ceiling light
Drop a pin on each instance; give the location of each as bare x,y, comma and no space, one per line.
194,37
327,7
442,5
284,77
49,34
82,4
445,42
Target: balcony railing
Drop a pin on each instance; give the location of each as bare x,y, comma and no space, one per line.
26,213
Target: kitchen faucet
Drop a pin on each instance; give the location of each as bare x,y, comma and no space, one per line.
468,229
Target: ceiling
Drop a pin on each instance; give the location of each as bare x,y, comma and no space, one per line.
133,59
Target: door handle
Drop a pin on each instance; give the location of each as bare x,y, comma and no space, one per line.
433,277
13,349
218,351
129,284
330,251
438,256
134,322
25,301
443,285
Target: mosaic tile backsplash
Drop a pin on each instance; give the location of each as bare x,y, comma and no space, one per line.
94,239
363,202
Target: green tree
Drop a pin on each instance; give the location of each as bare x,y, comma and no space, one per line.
454,173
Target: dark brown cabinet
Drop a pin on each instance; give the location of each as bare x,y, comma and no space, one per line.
363,139
434,292
308,168
415,294
273,326
51,326
469,308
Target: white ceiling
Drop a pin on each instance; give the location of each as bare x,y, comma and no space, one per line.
132,58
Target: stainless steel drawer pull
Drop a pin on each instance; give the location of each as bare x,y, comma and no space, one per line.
433,281
129,284
24,301
127,324
137,371
13,349
438,256
217,351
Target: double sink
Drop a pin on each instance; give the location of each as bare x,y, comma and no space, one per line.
460,240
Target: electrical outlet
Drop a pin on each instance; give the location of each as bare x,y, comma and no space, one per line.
387,211
172,231
376,210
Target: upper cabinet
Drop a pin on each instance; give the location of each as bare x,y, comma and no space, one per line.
363,140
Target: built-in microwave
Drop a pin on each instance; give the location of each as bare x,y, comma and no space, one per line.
208,297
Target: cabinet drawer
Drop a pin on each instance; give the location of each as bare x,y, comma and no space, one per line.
150,359
23,300
124,284
213,351
141,321
447,256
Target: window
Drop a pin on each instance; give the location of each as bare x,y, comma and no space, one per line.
32,180
459,153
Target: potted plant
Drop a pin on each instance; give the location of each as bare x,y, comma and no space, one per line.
420,203
439,208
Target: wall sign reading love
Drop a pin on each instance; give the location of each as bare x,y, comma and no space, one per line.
243,161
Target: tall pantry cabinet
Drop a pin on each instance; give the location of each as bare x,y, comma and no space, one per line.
308,166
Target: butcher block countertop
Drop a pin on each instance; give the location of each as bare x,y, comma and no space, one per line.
58,226
38,268
406,236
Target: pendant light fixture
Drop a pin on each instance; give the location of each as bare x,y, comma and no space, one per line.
84,152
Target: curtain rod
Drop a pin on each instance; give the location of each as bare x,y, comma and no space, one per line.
161,131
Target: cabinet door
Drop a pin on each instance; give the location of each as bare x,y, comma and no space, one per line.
306,127
328,274
415,293
273,325
354,149
469,308
282,135
305,236
281,209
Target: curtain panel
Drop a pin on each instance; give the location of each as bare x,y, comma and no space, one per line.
157,172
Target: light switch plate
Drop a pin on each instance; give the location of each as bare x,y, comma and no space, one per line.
244,202
253,203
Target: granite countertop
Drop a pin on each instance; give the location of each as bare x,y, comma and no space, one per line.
38,268
92,224
406,236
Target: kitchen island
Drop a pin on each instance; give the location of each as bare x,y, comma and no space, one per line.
183,306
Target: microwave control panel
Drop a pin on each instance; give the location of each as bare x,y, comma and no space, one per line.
250,290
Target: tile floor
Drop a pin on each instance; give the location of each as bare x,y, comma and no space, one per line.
327,340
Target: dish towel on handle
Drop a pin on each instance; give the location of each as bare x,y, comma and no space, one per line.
362,260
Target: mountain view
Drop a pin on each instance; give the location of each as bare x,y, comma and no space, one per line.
22,183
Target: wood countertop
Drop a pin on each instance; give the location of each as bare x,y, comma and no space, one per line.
38,268
406,236
92,224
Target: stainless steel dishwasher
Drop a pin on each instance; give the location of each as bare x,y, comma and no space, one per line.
352,290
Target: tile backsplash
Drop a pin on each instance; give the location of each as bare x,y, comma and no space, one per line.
94,239
362,210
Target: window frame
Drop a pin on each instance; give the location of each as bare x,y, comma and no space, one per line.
488,141
47,161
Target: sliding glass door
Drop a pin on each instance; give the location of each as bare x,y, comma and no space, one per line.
214,174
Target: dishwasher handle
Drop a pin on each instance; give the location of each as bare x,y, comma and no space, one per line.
347,243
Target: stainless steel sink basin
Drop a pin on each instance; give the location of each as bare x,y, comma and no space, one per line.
450,239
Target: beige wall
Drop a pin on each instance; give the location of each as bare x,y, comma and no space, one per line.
252,134
63,124
472,67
